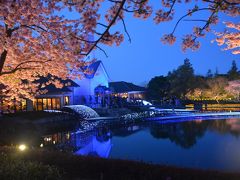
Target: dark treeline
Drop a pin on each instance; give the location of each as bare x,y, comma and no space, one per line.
184,84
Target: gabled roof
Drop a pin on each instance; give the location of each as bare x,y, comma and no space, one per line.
92,68
123,87
68,82
52,89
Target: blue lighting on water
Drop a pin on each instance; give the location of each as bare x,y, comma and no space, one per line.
205,141
194,117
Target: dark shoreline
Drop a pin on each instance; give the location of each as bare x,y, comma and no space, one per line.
79,167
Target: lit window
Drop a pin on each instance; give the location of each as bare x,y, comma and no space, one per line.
66,100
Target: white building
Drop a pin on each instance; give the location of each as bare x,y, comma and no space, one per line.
97,77
94,90
78,91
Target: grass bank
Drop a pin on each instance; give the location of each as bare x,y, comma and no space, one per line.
35,116
78,167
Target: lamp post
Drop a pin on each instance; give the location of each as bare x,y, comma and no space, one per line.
22,147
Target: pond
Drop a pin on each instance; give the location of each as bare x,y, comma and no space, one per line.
199,143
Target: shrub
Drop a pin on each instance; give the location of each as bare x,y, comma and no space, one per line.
16,169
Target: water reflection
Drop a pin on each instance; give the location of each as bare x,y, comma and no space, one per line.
183,134
98,142
96,148
127,130
200,143
186,134
95,143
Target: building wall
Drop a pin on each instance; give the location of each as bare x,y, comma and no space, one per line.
29,106
87,86
136,95
82,91
79,95
100,79
61,96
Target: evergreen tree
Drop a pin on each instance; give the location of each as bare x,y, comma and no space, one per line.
158,88
182,80
209,74
233,73
216,73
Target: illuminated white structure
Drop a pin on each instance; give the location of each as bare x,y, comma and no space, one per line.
96,148
83,111
97,77
77,92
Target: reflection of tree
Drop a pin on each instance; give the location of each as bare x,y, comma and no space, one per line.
229,126
183,134
186,134
103,134
126,131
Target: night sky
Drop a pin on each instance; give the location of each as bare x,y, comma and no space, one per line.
146,57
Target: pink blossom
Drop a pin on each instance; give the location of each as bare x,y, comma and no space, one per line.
168,39
189,42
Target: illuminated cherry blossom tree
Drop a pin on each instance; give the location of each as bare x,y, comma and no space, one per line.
230,38
214,7
216,89
36,39
233,88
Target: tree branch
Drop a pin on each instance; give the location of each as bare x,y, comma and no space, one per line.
201,9
125,29
194,20
15,69
3,59
30,27
115,1
102,25
135,2
109,26
207,24
18,67
170,10
230,3
81,39
102,50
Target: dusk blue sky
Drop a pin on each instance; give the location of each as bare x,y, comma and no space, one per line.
146,57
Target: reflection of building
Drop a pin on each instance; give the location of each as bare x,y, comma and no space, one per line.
57,138
96,148
127,90
126,131
96,143
87,144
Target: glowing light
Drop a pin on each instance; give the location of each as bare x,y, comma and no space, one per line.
145,103
84,111
22,147
47,139
41,145
68,135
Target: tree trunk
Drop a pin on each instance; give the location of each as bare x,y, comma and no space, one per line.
2,60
